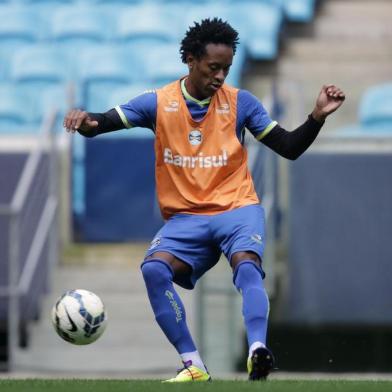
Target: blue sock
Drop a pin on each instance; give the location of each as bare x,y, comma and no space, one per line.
255,305
167,305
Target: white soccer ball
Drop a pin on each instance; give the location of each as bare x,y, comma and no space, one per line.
79,317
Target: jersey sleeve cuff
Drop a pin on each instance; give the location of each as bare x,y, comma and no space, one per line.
267,130
123,117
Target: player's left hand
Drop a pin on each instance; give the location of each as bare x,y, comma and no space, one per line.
329,99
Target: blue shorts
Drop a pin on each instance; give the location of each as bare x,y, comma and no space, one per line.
199,240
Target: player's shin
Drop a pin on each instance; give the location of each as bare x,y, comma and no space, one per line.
255,304
169,310
166,304
255,308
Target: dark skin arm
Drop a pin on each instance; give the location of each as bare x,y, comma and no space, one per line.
293,144
78,119
329,100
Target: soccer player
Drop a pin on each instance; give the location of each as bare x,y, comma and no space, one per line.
205,191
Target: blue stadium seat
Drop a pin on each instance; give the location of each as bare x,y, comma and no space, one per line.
120,2
259,25
16,110
376,106
177,13
45,9
146,21
23,110
19,24
47,2
19,27
39,66
162,64
299,10
76,26
53,97
105,69
196,12
187,2
375,114
3,66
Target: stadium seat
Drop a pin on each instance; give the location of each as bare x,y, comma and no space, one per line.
375,114
177,12
19,27
39,66
187,2
53,97
48,2
17,110
3,66
19,24
105,69
22,110
146,21
299,10
376,106
196,12
259,24
127,2
163,64
79,25
45,9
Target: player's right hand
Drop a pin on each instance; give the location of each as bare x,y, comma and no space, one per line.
77,119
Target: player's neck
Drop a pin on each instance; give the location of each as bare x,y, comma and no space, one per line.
190,93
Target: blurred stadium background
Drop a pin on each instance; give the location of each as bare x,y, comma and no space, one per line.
78,213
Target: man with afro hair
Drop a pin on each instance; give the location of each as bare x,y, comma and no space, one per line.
205,190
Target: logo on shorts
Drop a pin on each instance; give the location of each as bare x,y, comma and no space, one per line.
257,238
154,243
195,137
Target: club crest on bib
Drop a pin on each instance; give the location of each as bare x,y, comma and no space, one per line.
195,137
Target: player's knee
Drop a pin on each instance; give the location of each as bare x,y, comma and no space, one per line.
239,257
156,272
247,273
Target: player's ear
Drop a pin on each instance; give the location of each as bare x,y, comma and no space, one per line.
190,60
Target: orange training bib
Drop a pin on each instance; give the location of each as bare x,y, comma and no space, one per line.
201,167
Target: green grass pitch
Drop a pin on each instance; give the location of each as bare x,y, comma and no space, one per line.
215,386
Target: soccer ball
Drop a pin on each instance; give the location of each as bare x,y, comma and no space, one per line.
79,317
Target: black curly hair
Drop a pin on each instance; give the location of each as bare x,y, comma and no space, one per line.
209,31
